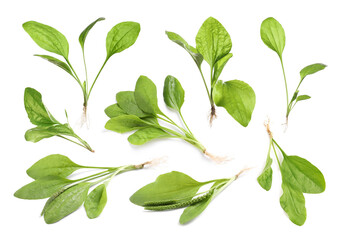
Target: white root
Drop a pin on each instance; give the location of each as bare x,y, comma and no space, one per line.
217,159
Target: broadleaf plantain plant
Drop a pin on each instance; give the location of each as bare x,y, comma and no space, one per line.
273,35
138,111
119,38
51,176
177,190
213,44
298,176
46,125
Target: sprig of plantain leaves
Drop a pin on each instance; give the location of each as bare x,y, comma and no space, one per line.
119,38
213,44
46,125
175,190
138,111
53,180
273,35
298,176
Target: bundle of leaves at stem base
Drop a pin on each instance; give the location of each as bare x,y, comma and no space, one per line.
53,180
273,35
213,44
177,190
119,38
46,125
299,176
138,111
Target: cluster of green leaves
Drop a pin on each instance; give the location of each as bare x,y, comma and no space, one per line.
213,44
66,195
46,125
119,38
298,176
177,190
138,111
273,35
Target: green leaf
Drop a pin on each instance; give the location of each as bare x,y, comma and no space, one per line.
125,123
57,62
39,133
121,37
213,41
313,68
127,103
145,94
195,210
219,66
303,97
36,110
273,35
265,178
302,175
47,38
84,33
197,57
145,135
114,111
237,97
174,94
42,188
293,203
167,187
96,201
66,203
52,165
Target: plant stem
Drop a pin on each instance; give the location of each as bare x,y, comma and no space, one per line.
283,69
82,145
276,155
103,65
183,120
170,121
83,56
208,92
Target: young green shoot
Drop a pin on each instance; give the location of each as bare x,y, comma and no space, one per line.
213,44
175,190
46,125
273,35
138,111
298,176
53,180
119,38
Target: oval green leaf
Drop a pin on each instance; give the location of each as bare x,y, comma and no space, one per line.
96,201
237,97
197,57
145,94
302,175
42,188
145,135
293,203
273,35
311,69
121,37
174,94
127,103
84,33
213,41
219,66
125,123
36,110
52,165
66,203
47,38
265,178
302,98
167,187
57,62
39,133
114,111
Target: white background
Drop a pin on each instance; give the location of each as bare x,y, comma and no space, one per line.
242,211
